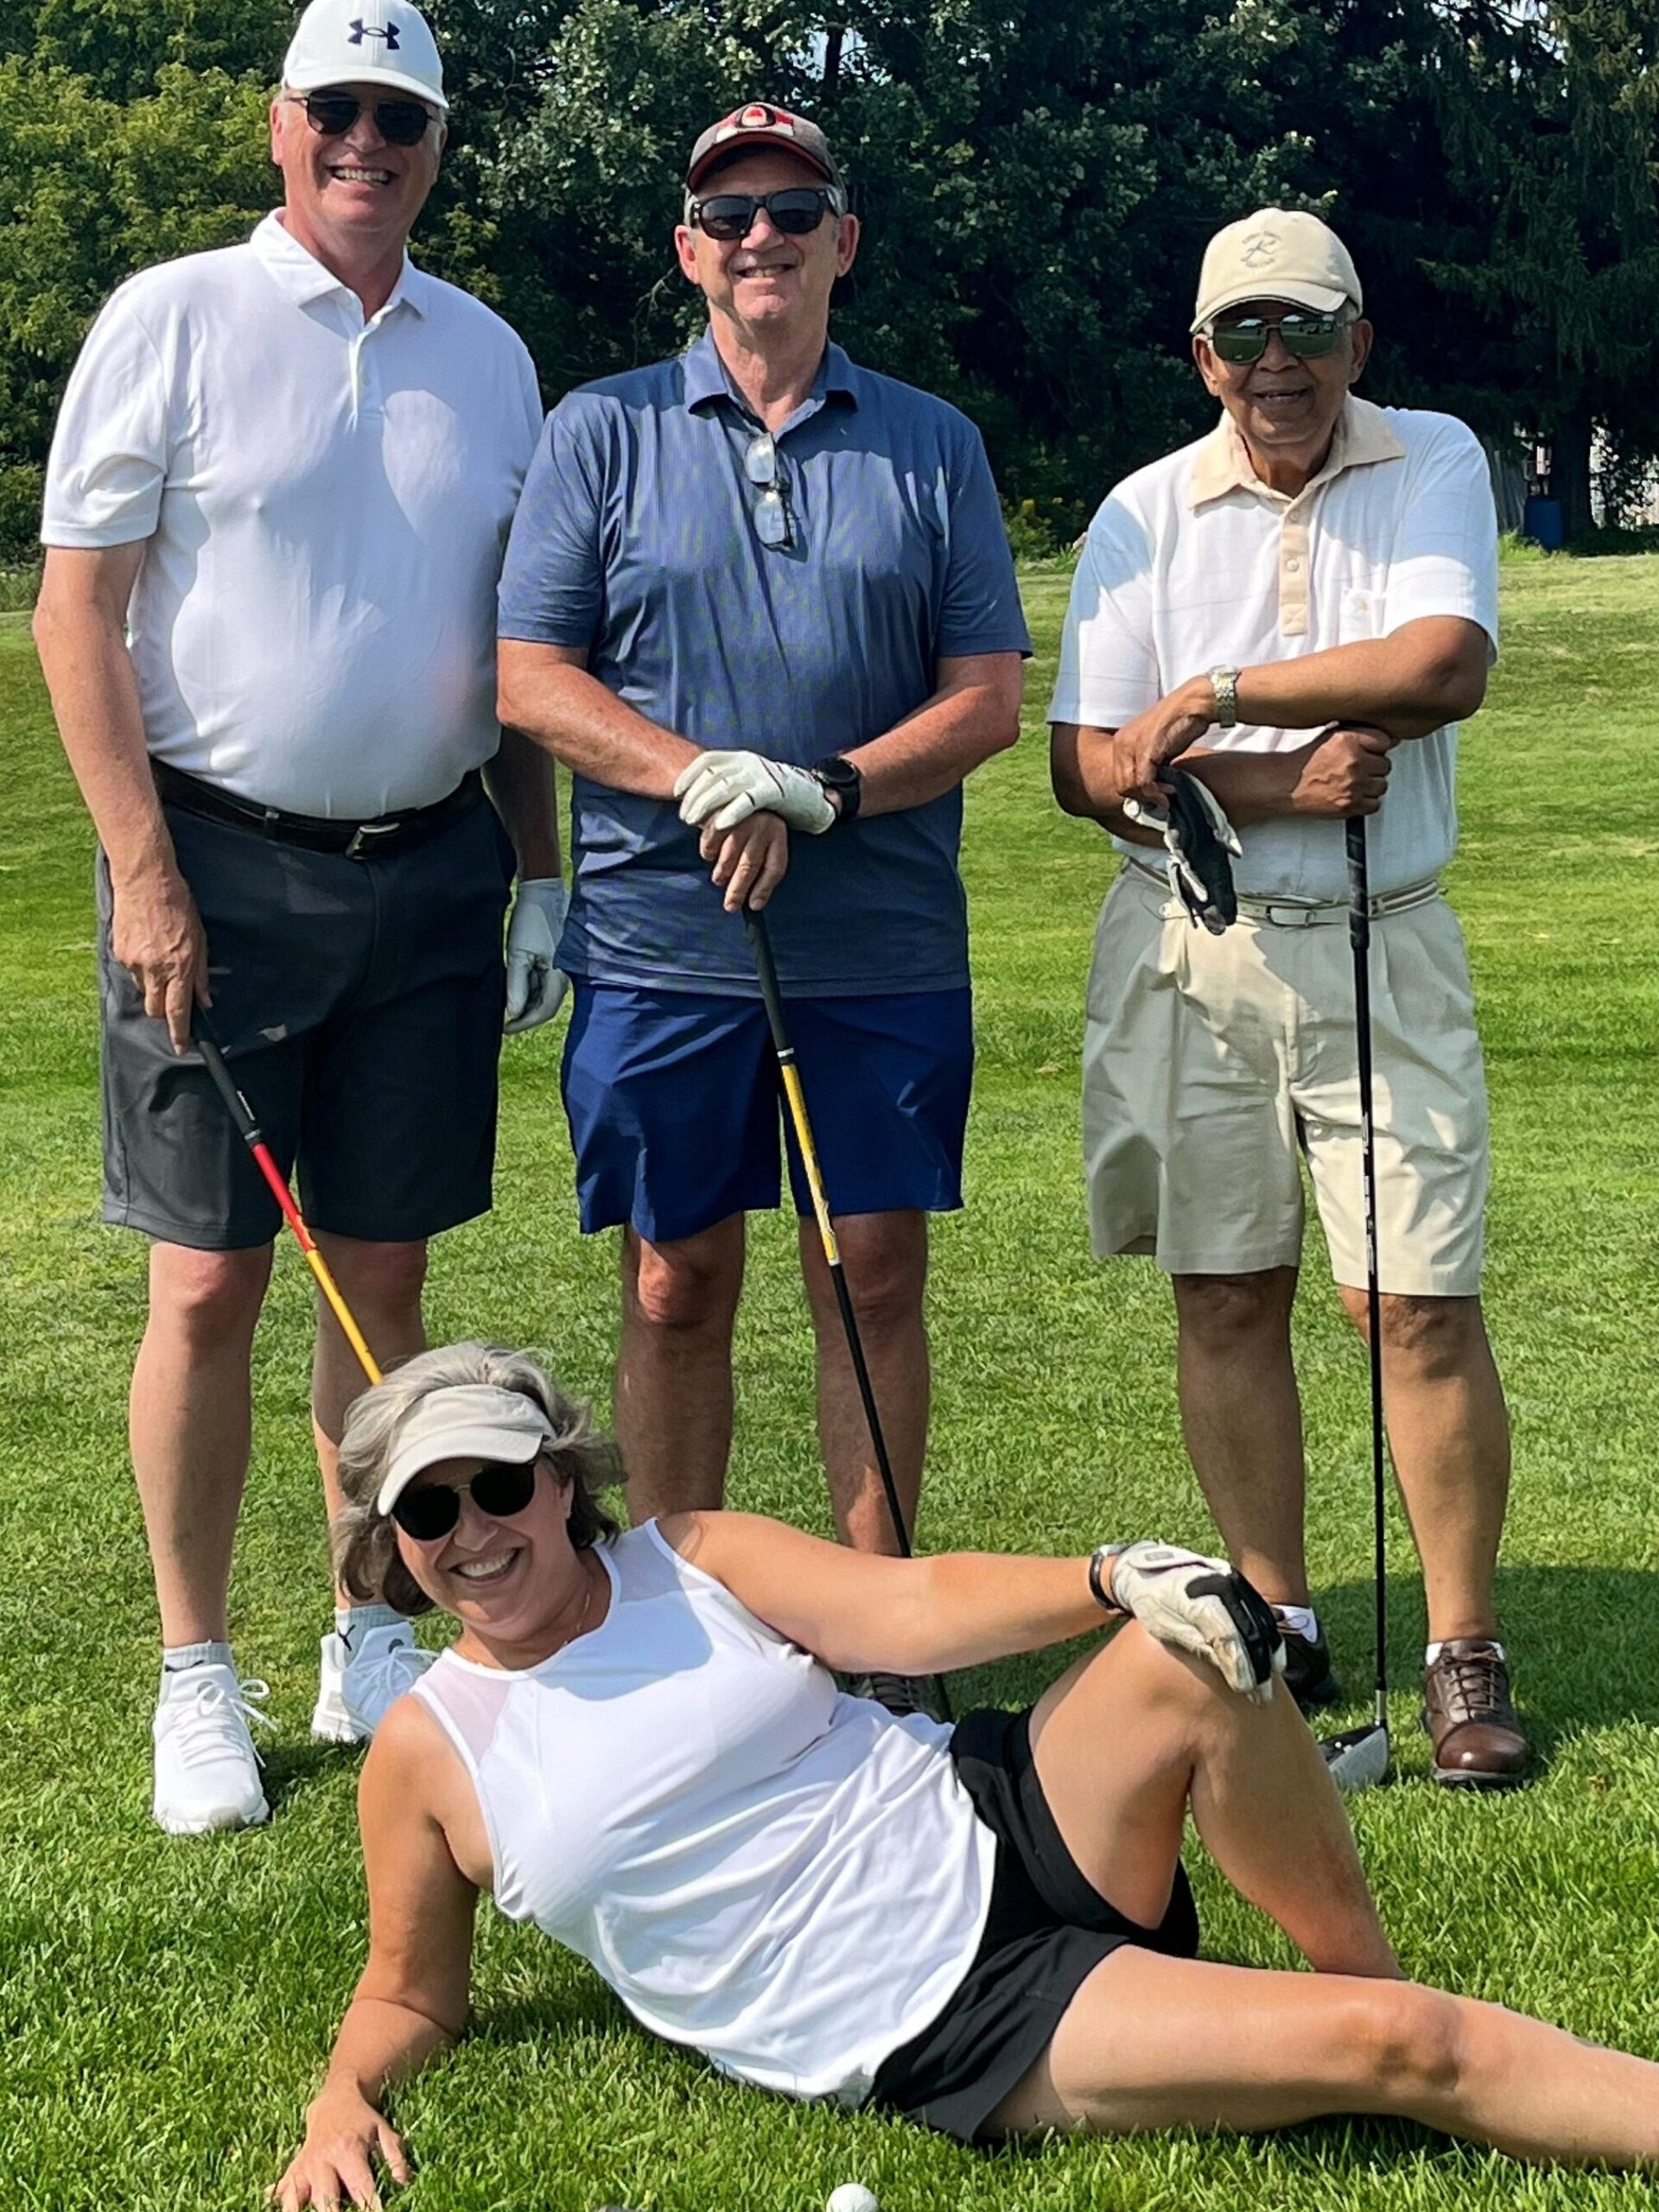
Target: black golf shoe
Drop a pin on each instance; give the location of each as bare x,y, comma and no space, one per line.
1309,1676
899,1693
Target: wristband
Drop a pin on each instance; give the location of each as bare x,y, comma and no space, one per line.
1097,1559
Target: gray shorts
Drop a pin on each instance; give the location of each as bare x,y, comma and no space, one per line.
360,1003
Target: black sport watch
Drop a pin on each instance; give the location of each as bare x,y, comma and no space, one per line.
837,774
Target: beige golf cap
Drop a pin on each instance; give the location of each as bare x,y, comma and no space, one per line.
383,42
470,1420
759,124
1278,253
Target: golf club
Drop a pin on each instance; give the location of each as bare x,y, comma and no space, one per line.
760,943
248,1129
1358,1758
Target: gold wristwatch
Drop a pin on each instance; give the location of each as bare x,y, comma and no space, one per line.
1224,681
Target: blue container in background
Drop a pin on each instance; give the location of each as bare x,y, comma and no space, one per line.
1541,520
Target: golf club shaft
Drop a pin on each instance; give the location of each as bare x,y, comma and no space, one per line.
248,1129
790,1076
1359,936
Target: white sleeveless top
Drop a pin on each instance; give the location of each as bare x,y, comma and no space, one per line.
789,1880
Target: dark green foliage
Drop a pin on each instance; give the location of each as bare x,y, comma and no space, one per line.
1037,182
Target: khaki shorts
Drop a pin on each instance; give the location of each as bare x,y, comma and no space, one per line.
1214,1066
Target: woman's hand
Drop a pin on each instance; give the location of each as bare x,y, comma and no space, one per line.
344,2134
1203,1607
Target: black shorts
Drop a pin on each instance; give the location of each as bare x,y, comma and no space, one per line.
1048,1930
360,1002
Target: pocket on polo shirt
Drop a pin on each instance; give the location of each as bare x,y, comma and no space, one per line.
1360,615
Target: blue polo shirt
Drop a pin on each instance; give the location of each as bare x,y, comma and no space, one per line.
636,538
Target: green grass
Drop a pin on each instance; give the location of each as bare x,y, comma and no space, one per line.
164,2005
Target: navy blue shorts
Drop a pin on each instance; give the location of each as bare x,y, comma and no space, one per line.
675,1105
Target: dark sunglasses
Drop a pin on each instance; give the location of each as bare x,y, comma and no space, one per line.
1304,337
730,215
331,115
499,1490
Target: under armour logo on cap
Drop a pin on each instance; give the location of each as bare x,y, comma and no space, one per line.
383,42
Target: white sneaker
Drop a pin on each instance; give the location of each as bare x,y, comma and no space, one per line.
206,1768
360,1680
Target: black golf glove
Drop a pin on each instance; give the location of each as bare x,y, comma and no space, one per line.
1202,845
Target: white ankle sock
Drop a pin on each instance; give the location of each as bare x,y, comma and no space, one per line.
176,1657
1432,1651
1301,1620
349,1618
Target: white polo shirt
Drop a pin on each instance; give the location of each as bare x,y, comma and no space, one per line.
326,503
1194,564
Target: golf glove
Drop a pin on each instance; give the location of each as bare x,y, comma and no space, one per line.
536,985
1203,1607
730,786
1202,845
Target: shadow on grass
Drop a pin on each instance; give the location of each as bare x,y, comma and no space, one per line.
289,1768
1580,1642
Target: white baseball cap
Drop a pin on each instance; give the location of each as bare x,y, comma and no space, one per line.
1278,253
365,42
469,1420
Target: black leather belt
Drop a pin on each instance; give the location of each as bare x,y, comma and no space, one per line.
356,840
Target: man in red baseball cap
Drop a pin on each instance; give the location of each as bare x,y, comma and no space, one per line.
760,599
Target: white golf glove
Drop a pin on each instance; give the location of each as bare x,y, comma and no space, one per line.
536,986
1201,844
1203,1607
730,786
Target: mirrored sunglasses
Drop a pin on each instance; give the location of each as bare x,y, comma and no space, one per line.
730,215
1305,337
331,115
498,1490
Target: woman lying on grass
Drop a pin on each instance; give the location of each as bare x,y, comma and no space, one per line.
636,1743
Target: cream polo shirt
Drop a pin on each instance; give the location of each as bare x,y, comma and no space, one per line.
1194,564
325,502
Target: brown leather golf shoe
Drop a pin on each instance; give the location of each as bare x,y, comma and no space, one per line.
1477,1738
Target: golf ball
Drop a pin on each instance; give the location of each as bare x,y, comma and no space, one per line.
851,2197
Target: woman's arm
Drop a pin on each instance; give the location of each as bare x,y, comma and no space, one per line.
859,1612
412,2001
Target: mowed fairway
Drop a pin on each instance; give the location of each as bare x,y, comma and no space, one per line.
164,2005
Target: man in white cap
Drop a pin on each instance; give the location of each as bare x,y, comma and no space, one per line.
275,515
1300,607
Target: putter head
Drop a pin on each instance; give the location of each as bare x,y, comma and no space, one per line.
1358,1758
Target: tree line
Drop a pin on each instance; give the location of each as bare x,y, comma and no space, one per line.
1037,180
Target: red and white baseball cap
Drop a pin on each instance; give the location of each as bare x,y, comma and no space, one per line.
365,42
759,124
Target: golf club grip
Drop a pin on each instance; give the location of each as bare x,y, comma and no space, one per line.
224,1081
766,969
1359,885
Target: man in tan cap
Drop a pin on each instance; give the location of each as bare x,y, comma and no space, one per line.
1300,607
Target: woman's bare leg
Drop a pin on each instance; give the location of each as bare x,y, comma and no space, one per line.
1151,2043
1136,1732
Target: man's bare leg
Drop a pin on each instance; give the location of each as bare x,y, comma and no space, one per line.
1234,1353
1449,1431
191,1422
884,1257
673,1410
